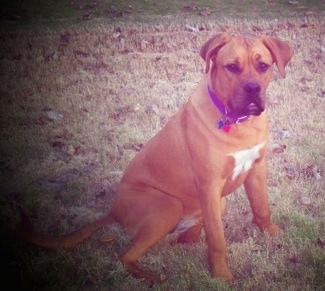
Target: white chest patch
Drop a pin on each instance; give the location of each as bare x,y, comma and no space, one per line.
245,159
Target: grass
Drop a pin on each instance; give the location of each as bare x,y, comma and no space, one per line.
28,14
116,83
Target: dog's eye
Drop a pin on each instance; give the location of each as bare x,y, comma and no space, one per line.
262,67
233,68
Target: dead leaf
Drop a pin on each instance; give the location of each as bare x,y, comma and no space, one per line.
126,51
86,151
302,7
77,150
279,246
116,35
97,202
53,55
122,111
283,133
291,172
95,67
138,147
193,28
162,277
245,212
305,80
71,150
87,16
144,44
304,89
256,28
128,91
190,7
294,260
272,102
114,12
131,146
278,149
225,28
323,91
80,53
311,171
321,242
53,115
304,200
101,194
57,181
106,238
173,75
87,6
309,62
65,39
40,120
309,13
58,144
205,12
307,25
153,108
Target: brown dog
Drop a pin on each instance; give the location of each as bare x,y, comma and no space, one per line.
214,144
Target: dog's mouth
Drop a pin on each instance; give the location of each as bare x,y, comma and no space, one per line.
246,104
254,108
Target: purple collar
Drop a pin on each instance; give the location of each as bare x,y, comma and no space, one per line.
227,117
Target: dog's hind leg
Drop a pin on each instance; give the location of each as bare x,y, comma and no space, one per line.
192,234
148,222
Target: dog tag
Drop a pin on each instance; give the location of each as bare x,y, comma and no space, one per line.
220,124
226,127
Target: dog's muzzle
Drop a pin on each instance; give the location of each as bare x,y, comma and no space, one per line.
254,103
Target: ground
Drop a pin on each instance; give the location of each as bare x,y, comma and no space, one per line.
80,95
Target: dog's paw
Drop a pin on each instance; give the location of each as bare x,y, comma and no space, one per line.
273,230
221,271
146,277
266,225
225,275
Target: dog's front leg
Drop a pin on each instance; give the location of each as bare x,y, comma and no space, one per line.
211,204
256,189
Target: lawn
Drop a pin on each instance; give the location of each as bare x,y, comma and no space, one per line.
84,85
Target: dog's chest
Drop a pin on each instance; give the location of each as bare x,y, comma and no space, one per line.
244,159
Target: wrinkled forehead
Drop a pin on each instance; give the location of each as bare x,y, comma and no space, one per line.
241,49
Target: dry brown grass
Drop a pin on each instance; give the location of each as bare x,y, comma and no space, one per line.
115,87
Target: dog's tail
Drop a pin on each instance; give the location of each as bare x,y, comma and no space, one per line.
28,234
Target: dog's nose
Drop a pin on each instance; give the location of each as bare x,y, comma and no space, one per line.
252,88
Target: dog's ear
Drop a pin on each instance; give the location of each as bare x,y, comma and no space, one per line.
210,49
281,52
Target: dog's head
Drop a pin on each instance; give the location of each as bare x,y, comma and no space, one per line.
241,68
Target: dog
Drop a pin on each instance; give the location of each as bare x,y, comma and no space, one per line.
217,142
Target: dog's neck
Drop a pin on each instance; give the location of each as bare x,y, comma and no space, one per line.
227,118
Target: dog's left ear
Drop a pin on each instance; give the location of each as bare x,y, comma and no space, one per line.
281,52
210,49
